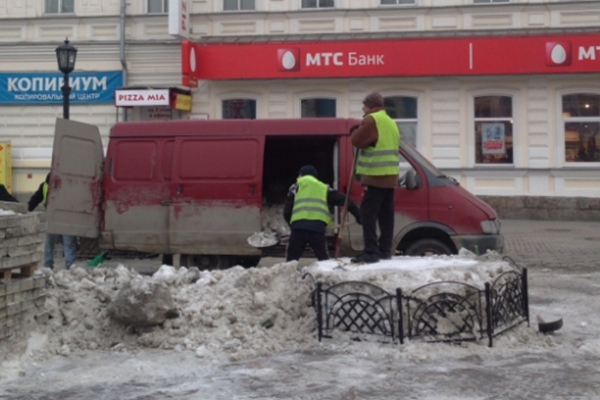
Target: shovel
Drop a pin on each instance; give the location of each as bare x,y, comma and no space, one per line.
338,242
99,259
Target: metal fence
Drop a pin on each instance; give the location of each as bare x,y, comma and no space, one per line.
445,311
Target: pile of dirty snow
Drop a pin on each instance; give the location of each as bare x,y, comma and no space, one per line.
239,313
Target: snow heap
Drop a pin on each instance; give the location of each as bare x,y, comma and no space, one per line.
239,313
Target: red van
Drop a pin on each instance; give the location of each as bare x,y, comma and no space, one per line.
201,188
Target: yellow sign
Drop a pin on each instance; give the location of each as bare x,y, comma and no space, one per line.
183,102
6,165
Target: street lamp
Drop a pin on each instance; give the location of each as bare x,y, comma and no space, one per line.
66,55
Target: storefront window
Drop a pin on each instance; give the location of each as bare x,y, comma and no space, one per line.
493,130
158,6
581,119
239,109
60,6
317,3
403,110
235,5
318,108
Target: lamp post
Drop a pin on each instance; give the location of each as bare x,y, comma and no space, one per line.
66,55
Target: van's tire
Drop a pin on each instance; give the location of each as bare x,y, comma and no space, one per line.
248,261
167,259
427,247
207,261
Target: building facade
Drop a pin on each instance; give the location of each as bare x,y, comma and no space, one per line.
500,119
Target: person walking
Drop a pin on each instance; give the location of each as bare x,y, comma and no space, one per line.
69,248
307,211
378,139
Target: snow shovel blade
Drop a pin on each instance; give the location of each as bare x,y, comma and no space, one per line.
263,240
99,259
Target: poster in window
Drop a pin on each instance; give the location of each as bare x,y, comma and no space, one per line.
492,136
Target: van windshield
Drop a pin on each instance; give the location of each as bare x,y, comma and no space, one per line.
422,161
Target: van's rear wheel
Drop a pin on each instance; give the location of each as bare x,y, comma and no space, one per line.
206,261
428,247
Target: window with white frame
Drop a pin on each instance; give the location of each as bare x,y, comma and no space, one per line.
239,109
581,121
403,110
493,129
397,2
60,6
318,108
236,5
158,6
317,3
490,1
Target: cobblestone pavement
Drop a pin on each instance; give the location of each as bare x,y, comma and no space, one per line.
569,245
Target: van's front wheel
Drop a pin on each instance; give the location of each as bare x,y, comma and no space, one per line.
428,247
206,261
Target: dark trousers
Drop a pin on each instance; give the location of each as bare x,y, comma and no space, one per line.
299,238
377,206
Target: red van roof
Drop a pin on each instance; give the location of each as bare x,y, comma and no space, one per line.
300,126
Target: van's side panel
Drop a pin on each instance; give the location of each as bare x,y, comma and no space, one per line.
75,190
137,187
217,194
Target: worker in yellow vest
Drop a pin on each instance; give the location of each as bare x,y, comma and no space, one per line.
378,139
69,248
308,211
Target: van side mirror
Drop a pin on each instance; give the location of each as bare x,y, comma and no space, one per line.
409,180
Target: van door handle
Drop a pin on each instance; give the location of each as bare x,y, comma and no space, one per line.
178,189
166,202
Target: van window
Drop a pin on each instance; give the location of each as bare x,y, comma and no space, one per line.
135,161
212,159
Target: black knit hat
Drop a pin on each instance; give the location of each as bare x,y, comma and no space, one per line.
373,100
308,170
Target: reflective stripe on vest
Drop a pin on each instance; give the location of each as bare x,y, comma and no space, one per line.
311,201
45,191
383,158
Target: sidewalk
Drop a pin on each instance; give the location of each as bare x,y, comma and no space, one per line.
554,244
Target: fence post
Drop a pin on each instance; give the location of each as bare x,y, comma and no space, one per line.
400,322
319,311
525,290
488,311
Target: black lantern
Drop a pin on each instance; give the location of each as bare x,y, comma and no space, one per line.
66,56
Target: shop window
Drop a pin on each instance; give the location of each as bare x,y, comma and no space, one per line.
397,2
493,130
236,5
60,6
581,120
317,3
158,6
403,110
239,109
318,108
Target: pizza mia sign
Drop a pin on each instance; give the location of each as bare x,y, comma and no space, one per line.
133,98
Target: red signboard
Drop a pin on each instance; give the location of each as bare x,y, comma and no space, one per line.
491,55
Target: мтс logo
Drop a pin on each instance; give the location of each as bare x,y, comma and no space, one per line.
558,54
288,60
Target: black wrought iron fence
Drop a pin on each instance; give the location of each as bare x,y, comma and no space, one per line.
443,311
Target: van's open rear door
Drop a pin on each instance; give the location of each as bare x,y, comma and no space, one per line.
76,180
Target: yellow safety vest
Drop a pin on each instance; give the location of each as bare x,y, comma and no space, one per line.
310,201
45,191
383,158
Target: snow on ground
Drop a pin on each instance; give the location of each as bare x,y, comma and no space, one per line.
218,347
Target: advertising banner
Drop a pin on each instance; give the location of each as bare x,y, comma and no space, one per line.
401,57
39,88
493,139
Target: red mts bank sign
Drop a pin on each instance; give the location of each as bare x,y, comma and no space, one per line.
494,55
